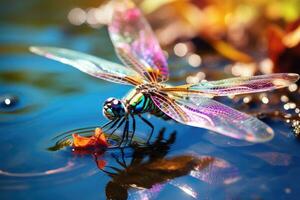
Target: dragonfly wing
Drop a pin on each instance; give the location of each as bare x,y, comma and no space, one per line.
91,65
206,113
239,85
135,43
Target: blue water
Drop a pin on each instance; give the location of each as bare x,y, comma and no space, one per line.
50,101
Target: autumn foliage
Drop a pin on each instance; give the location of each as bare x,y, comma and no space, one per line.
97,140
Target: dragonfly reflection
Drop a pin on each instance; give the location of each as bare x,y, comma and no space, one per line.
148,166
145,68
148,169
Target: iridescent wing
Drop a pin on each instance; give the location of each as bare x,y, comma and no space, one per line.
135,43
239,85
206,113
218,172
91,65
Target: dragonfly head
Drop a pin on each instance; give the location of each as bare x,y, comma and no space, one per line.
114,108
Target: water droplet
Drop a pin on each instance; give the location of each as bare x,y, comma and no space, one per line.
8,101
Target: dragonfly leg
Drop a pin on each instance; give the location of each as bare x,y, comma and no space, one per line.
123,162
118,126
111,126
105,171
133,128
124,131
127,134
123,157
150,125
172,138
108,123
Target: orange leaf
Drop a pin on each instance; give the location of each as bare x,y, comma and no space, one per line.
101,139
98,139
80,141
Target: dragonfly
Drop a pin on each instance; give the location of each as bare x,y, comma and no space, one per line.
145,68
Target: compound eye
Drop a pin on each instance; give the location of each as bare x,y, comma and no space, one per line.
108,112
113,108
110,100
116,102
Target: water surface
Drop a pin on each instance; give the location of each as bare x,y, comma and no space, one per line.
50,100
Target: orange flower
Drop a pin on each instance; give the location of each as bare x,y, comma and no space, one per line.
97,140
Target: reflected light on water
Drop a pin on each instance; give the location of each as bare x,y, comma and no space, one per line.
287,190
243,69
146,194
166,54
91,17
293,87
103,14
70,165
77,16
94,17
194,60
199,77
192,79
247,99
266,66
265,100
275,158
180,49
8,100
186,189
296,127
284,98
218,172
232,180
292,39
289,106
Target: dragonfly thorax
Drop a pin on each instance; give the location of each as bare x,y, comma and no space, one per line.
148,87
138,100
114,108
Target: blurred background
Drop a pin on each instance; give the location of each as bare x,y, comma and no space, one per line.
40,99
